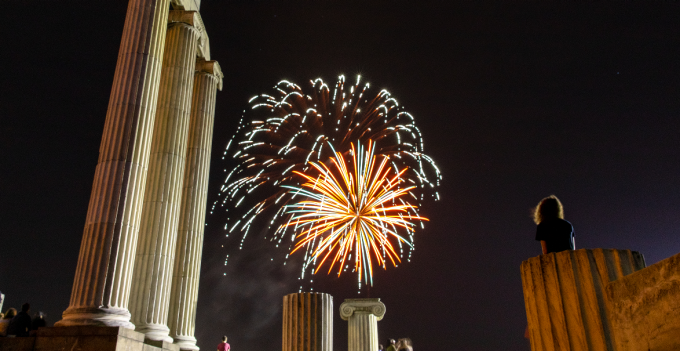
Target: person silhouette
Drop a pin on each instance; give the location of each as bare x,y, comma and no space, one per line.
21,323
554,233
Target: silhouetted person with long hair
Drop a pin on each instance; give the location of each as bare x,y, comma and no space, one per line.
21,323
554,233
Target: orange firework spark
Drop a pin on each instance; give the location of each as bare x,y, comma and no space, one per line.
362,210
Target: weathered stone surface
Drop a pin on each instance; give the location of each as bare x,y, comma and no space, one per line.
362,316
564,297
84,338
101,287
187,267
17,344
645,308
308,322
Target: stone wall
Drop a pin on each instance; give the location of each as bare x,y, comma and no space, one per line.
645,308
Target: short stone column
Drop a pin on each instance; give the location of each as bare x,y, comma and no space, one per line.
363,316
187,267
308,322
150,295
101,288
564,297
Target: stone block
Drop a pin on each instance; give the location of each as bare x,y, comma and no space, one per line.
152,345
564,297
84,338
17,344
645,308
88,338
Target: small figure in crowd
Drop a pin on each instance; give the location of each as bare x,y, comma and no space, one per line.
391,345
404,344
223,346
381,347
6,319
21,323
554,233
38,321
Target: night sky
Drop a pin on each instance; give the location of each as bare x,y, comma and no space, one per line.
516,101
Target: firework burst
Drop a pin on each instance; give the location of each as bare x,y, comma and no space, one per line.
282,132
360,214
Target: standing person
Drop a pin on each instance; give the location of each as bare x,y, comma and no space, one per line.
404,344
6,319
21,323
381,347
223,346
38,321
554,233
391,345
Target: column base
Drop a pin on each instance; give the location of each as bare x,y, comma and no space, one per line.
155,332
96,316
186,342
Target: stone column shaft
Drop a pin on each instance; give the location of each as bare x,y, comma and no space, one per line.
101,288
363,316
564,297
187,267
308,322
363,332
152,276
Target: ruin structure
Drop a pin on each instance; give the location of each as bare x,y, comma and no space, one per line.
136,283
601,300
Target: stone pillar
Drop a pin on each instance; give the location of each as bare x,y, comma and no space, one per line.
101,288
363,316
187,267
564,297
308,322
152,276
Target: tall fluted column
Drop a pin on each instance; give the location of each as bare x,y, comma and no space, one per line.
187,268
149,300
363,316
564,297
101,288
308,322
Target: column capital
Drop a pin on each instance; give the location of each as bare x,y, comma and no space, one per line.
368,306
210,67
193,18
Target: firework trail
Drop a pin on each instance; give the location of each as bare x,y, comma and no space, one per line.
282,132
358,214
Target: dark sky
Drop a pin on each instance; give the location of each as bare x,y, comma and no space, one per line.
516,101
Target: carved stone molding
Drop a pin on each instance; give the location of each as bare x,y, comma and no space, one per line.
194,19
352,306
212,68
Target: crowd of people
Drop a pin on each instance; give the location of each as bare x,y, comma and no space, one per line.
20,324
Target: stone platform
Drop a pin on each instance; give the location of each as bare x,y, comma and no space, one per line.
85,338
